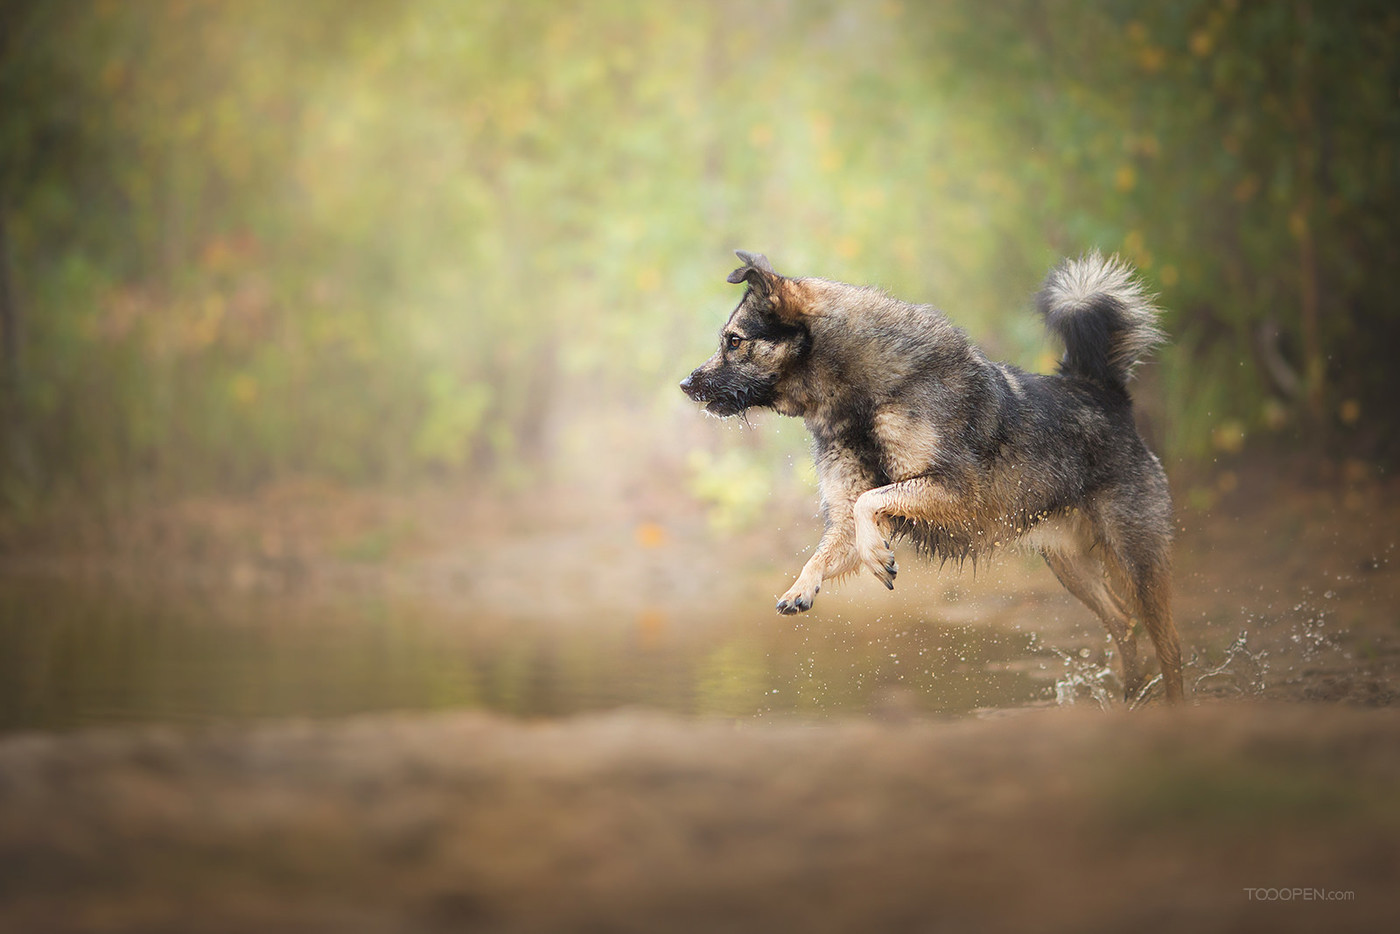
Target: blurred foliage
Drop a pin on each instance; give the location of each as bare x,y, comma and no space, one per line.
1245,156
376,241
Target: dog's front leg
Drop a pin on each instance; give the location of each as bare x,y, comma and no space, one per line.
834,557
841,485
922,498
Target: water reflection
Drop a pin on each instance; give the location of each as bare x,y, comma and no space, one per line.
80,655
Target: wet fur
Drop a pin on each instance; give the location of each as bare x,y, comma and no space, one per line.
918,436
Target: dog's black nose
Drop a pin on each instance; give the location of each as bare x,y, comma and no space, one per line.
687,383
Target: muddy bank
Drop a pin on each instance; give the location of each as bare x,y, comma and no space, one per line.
1052,820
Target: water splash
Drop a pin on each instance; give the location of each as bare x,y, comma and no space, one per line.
1145,692
1085,678
1243,672
1312,633
1088,678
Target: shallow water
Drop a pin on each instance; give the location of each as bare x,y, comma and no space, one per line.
74,655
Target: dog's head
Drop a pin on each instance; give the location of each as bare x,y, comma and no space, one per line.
761,346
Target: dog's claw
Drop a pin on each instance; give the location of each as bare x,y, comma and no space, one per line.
884,571
794,606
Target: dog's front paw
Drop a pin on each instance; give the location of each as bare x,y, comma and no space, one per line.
799,598
875,553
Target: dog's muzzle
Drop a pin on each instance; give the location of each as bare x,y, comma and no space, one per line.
694,387
717,400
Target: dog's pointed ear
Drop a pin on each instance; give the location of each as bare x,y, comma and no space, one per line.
753,261
756,271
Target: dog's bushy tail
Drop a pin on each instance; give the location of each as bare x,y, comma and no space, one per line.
1099,309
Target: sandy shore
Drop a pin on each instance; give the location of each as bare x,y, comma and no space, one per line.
1059,820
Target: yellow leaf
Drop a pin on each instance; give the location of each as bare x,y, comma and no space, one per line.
650,535
1228,437
1151,59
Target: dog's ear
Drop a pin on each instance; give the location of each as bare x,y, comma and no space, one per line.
756,261
778,295
756,271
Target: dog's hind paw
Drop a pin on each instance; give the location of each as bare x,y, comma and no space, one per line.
878,557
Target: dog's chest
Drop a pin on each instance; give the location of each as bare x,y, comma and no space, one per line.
907,444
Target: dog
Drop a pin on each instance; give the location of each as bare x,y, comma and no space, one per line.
917,435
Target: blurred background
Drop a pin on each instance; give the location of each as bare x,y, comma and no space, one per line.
378,242
380,282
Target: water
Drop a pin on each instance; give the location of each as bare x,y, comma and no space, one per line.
74,655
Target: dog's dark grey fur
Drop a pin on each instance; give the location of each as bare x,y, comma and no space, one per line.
918,435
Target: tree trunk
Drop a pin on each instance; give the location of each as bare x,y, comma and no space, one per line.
9,322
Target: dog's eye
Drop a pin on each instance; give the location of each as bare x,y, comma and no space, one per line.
734,341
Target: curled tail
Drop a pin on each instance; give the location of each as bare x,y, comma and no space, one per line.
1099,309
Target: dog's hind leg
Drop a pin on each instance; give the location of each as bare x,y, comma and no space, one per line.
1139,557
1152,588
1084,576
